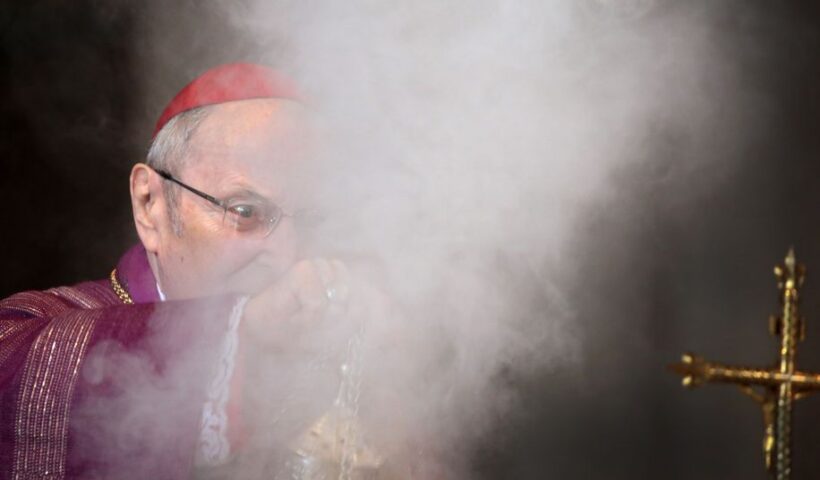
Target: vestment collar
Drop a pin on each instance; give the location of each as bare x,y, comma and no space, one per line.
135,275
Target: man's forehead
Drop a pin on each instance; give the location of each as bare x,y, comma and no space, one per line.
260,140
246,122
259,130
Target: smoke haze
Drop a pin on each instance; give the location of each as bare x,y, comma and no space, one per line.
460,145
487,166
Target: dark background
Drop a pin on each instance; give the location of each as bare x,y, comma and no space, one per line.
76,112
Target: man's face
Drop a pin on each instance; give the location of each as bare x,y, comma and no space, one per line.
247,150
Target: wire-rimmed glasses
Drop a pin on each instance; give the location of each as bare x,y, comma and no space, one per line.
243,214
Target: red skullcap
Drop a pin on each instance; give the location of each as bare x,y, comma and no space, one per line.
228,83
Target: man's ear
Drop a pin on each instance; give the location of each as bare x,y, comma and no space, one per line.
148,204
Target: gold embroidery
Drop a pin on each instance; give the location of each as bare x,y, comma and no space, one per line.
119,290
49,378
32,303
90,295
12,337
50,372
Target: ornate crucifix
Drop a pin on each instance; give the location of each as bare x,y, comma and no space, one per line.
777,387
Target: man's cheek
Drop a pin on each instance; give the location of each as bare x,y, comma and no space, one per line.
229,259
254,274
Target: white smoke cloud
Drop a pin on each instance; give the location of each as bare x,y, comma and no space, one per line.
461,143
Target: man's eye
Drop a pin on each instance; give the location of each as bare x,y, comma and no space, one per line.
244,211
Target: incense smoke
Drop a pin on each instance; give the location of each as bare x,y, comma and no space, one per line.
460,143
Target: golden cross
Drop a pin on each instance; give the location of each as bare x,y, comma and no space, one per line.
780,385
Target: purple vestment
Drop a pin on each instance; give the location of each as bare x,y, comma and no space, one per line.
93,388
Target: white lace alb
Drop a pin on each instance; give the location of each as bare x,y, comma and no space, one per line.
214,447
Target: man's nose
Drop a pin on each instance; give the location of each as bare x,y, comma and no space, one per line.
283,241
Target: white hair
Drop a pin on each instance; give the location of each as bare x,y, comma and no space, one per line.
169,152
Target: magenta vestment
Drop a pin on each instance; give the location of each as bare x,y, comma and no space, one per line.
92,388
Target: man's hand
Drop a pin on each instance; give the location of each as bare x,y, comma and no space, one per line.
278,317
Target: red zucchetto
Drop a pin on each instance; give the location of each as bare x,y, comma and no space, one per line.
228,83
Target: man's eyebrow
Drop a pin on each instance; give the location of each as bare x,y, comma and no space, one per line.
247,193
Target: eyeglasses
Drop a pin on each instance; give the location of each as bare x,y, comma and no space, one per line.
252,215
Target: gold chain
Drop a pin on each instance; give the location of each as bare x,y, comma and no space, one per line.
119,290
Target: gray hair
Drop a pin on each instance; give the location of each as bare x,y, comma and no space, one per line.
169,152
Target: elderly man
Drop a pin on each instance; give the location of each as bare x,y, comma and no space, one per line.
216,218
